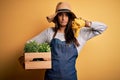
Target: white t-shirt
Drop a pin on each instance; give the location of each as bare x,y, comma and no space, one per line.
85,34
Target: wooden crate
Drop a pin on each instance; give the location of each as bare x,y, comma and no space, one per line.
43,60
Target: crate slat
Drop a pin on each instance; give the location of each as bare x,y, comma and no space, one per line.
45,64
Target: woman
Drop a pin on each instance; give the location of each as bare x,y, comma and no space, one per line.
64,45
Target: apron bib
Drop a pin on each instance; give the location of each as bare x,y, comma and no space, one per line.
63,61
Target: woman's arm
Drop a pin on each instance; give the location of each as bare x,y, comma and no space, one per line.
92,29
40,38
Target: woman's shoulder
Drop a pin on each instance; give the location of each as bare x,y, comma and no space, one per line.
50,29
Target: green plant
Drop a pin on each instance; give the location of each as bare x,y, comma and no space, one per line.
33,46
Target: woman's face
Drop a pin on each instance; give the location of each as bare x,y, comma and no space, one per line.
63,19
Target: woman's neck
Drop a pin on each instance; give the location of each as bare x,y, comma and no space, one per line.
62,29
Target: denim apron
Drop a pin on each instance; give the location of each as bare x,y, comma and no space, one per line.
63,61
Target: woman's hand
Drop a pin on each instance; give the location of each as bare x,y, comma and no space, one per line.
87,23
21,61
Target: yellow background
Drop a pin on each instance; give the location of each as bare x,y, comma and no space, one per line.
20,20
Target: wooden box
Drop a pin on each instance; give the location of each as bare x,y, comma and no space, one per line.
40,60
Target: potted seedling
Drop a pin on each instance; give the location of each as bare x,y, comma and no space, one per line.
37,56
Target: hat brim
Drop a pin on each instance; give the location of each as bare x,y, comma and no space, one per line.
51,17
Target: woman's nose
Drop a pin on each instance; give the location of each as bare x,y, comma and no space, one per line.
63,17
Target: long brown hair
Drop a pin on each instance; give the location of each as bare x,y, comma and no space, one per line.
69,34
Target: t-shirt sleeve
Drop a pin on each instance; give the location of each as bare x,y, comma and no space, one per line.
41,37
95,29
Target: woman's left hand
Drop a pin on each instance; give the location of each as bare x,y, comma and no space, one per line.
87,23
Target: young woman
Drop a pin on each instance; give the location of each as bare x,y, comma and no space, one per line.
64,45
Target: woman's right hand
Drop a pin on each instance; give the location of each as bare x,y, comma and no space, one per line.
22,61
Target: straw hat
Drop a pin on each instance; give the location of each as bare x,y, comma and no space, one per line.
61,7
